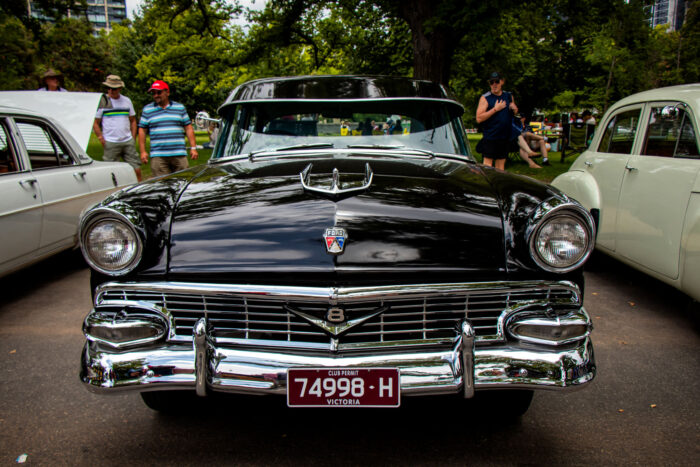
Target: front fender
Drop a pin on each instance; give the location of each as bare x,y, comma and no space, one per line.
690,249
581,186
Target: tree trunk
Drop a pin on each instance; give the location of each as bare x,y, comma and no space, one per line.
607,87
433,48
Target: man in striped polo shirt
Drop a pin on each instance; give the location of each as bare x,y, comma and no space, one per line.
167,124
115,125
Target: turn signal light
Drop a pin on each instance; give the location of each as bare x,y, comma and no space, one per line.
550,330
120,330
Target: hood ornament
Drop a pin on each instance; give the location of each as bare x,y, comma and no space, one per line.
335,189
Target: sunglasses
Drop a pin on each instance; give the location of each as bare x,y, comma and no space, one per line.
494,81
156,93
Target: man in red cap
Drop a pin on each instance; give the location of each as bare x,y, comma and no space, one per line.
167,124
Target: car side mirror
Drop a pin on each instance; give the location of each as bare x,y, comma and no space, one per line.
202,119
671,111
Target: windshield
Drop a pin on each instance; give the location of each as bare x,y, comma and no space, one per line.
421,125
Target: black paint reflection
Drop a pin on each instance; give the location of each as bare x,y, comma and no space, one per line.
428,213
253,219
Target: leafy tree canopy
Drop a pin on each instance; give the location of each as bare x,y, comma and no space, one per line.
559,55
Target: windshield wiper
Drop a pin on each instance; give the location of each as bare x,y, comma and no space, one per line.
291,148
306,146
375,146
387,146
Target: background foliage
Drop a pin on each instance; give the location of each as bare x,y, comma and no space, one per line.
557,55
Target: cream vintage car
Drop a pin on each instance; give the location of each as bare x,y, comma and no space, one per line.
639,179
46,178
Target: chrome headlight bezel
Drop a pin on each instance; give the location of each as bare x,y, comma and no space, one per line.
551,210
113,326
524,326
123,215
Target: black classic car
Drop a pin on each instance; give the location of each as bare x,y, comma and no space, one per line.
341,248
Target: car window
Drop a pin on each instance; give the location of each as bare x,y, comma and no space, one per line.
44,148
670,133
8,160
620,132
687,141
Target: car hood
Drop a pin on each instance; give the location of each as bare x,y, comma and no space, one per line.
423,214
74,110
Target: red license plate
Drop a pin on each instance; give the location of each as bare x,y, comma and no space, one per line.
343,387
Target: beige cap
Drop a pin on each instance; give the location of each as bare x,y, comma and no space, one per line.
114,81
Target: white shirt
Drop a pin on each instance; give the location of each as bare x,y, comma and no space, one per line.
116,127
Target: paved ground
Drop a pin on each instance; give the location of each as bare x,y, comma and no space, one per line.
643,408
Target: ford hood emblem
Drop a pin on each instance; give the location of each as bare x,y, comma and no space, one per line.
335,238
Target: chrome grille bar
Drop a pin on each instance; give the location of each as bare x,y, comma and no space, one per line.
415,313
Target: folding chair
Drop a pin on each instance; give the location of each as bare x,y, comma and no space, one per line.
576,137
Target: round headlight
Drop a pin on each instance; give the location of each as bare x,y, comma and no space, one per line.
561,243
111,246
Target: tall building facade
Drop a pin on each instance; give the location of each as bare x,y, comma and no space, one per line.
103,14
671,12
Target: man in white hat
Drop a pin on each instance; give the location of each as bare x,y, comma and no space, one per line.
115,125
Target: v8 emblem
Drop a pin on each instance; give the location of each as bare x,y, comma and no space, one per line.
335,315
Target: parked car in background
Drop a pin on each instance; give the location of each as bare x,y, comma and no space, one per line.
46,178
338,268
639,179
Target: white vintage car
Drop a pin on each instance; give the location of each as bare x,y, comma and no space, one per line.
639,179
46,178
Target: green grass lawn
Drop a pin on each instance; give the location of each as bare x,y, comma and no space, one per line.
545,174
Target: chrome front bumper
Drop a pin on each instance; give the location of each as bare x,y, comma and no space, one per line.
203,366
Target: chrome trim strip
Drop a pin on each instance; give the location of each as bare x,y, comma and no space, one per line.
317,346
342,294
337,101
348,152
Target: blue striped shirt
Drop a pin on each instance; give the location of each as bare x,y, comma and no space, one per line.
166,127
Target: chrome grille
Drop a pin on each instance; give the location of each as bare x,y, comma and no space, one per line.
410,317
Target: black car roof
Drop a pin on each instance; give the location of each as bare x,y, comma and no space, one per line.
341,88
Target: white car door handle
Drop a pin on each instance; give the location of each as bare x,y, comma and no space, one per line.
79,175
28,181
631,169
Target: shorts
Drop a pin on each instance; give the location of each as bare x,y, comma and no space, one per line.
125,150
493,148
167,165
